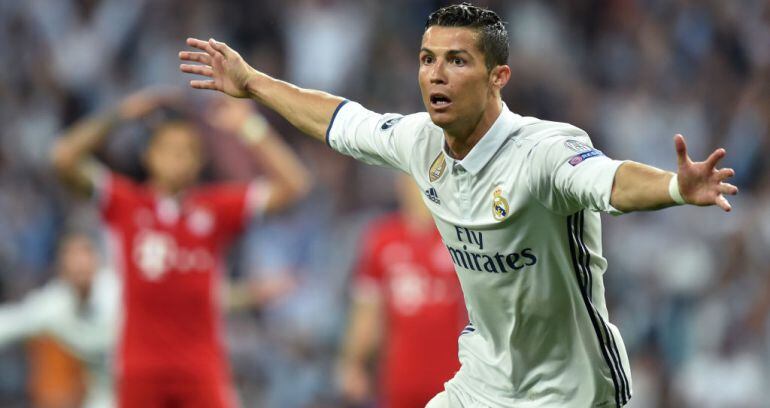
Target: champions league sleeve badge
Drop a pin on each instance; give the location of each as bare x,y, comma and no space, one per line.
500,209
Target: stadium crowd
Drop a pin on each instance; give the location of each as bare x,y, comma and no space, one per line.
687,287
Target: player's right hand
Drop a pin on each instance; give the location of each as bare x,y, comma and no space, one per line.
228,71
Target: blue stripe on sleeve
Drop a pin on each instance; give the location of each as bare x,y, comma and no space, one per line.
331,122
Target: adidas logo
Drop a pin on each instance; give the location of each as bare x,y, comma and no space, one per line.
432,195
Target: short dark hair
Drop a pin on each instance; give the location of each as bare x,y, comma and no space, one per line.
493,36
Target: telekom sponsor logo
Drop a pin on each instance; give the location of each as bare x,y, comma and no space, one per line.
157,253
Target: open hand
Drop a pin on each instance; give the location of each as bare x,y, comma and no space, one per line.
701,183
228,71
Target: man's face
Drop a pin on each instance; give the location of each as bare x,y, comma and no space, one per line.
174,157
78,261
454,79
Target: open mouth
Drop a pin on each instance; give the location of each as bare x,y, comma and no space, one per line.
439,100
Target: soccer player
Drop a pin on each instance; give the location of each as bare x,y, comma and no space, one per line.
407,303
516,200
78,308
170,236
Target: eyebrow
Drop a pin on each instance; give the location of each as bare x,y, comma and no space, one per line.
450,52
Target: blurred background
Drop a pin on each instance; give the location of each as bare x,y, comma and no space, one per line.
688,287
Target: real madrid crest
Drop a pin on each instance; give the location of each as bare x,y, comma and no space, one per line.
437,168
500,209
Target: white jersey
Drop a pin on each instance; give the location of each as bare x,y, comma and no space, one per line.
519,217
87,330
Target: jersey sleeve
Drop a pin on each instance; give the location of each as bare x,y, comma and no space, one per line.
235,205
368,274
372,138
36,313
567,174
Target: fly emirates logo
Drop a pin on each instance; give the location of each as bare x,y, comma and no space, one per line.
472,256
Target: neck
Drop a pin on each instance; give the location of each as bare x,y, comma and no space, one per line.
461,140
164,189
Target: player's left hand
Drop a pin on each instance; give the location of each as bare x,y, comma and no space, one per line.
701,183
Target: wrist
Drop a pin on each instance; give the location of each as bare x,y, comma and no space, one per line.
253,83
254,130
674,192
111,118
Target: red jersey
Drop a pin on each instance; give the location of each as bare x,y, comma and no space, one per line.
413,273
170,254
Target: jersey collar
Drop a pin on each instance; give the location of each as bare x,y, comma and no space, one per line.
488,145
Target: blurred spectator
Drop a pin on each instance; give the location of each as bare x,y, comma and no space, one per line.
310,26
83,39
406,311
79,309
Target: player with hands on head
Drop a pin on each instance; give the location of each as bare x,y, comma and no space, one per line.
516,200
170,236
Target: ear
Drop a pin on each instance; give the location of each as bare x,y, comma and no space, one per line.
499,76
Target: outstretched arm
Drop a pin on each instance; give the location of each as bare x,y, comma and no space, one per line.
308,110
638,187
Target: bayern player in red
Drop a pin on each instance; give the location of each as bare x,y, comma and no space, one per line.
407,304
170,235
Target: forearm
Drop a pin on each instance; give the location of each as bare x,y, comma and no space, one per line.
639,187
72,150
17,322
289,179
82,138
310,111
363,333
